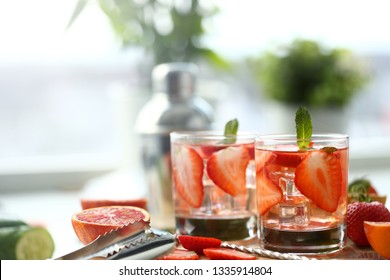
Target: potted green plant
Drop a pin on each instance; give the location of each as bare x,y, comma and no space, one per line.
168,31
309,74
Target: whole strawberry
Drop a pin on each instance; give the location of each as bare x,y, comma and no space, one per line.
358,212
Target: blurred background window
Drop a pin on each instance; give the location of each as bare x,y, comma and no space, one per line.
68,96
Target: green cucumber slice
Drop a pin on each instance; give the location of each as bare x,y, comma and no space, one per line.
25,243
11,223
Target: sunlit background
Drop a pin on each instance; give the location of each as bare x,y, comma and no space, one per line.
69,97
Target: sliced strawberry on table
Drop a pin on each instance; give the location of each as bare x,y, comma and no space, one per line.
268,192
227,254
319,178
188,174
180,254
227,169
198,243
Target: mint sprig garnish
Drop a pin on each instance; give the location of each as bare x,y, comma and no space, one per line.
230,131
231,127
303,127
358,190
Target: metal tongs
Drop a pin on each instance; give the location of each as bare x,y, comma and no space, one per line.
140,245
147,244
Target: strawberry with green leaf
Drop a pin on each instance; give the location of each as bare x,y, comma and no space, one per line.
363,208
361,211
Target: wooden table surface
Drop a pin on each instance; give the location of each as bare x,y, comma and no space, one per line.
350,252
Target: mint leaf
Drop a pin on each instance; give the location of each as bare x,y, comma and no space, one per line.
303,127
231,129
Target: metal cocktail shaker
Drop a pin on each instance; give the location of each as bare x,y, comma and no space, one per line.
173,106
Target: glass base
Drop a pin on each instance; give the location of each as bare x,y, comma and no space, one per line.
313,242
226,229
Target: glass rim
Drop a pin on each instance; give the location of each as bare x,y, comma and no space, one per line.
211,134
293,137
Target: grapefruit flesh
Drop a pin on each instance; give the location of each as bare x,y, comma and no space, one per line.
88,224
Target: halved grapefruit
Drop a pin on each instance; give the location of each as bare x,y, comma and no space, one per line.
378,235
88,224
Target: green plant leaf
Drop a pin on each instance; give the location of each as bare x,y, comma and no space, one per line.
139,23
215,59
308,73
76,12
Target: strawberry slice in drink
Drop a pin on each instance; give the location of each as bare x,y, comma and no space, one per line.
288,159
319,178
268,192
263,158
227,169
206,151
188,175
251,150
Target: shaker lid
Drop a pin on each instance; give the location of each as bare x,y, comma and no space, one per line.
177,79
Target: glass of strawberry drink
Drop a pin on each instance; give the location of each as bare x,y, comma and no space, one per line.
302,192
214,184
